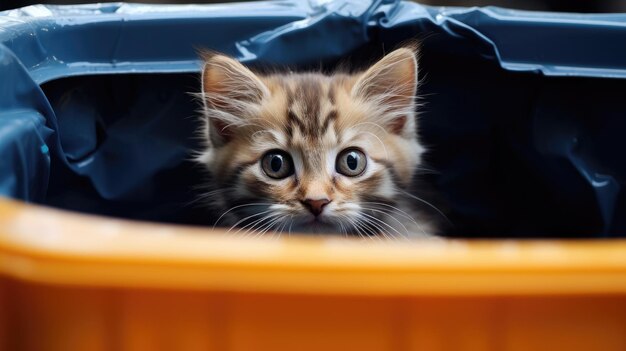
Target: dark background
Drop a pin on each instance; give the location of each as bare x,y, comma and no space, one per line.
592,6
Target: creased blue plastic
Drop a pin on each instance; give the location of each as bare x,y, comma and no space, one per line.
524,112
24,153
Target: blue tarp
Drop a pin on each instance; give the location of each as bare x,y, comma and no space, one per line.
524,113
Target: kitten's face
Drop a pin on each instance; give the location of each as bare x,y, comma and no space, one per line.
308,152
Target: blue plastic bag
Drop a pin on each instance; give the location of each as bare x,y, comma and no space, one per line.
524,112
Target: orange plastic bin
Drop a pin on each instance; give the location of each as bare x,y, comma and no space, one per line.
75,282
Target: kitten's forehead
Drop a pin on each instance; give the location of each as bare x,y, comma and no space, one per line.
308,106
311,115
303,109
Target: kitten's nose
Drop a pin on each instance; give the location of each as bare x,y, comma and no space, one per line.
315,206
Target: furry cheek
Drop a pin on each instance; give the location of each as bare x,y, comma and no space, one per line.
256,183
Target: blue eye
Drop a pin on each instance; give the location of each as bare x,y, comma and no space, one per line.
351,162
277,164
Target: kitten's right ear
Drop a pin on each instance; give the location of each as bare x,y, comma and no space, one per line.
231,93
390,84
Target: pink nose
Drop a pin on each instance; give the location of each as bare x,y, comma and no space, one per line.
315,206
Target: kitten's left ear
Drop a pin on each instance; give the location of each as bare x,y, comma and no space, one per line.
231,93
390,85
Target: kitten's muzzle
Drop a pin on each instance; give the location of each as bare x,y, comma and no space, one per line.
315,206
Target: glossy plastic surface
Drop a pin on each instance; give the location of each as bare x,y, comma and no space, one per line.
75,282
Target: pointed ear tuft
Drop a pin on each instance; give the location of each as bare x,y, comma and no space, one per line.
231,93
390,85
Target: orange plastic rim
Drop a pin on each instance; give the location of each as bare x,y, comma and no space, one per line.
45,245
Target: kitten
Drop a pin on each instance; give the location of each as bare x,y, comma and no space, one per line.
314,153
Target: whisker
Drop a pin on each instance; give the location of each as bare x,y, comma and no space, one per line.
427,203
279,228
371,233
399,222
204,197
239,206
380,230
262,230
245,219
268,223
354,226
290,224
254,224
380,141
396,209
386,224
419,226
282,229
343,228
